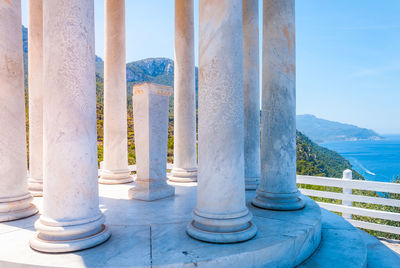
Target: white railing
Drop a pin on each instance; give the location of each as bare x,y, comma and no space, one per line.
347,197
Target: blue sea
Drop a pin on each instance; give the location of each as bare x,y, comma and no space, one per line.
375,160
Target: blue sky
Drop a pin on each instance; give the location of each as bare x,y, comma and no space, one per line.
348,54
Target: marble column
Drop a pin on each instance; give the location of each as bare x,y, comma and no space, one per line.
71,219
277,189
150,110
115,169
251,87
15,200
221,215
185,158
35,78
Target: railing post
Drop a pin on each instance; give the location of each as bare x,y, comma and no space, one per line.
347,175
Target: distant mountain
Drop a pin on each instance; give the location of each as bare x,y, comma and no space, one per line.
321,130
25,49
156,70
152,69
25,38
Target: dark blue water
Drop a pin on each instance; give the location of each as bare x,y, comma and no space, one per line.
375,160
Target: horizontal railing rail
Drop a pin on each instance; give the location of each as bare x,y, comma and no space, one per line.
347,198
353,184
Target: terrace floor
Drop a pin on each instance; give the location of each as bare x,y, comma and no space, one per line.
146,234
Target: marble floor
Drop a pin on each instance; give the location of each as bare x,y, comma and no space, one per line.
146,234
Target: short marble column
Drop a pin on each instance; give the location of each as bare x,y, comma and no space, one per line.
185,157
221,215
115,168
277,189
71,219
251,87
35,80
150,111
15,200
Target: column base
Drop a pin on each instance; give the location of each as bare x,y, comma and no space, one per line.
252,183
183,175
17,208
61,237
222,229
35,187
274,201
146,192
115,176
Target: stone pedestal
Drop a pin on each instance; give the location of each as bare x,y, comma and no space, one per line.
35,79
71,219
150,110
251,87
115,169
15,200
221,215
185,158
277,189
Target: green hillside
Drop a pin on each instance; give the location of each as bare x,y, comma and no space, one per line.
315,160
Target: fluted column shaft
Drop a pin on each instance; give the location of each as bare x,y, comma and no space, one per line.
251,87
221,215
115,169
71,219
185,158
14,196
277,189
35,79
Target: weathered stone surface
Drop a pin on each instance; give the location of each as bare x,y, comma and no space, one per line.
35,80
221,215
71,219
15,200
185,157
251,87
150,110
277,189
115,169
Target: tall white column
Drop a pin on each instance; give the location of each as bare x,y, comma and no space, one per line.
251,87
115,168
185,158
277,189
221,215
71,219
15,200
35,78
